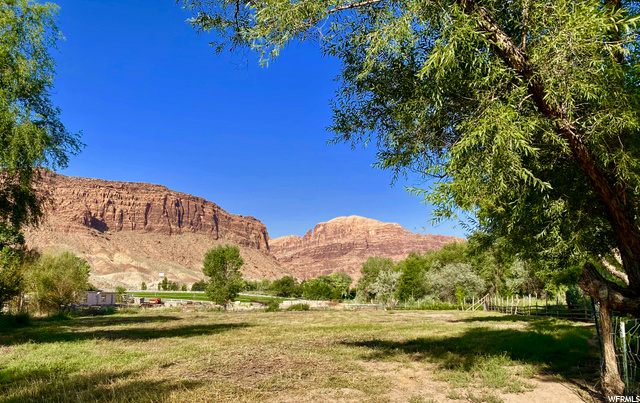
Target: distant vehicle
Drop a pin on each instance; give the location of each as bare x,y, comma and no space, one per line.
155,301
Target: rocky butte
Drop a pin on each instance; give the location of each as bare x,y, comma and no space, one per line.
131,232
345,243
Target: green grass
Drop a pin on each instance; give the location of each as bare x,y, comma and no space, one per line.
321,356
191,296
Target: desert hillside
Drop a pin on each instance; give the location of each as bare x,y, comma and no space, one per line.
131,232
345,243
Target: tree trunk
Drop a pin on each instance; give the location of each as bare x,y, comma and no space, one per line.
612,384
602,291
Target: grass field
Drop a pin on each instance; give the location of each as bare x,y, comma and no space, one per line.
197,296
317,356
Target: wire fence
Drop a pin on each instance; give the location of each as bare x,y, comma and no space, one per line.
627,344
529,306
626,331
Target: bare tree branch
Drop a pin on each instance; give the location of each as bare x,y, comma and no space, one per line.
613,270
354,5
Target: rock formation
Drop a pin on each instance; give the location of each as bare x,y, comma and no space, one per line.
131,232
345,243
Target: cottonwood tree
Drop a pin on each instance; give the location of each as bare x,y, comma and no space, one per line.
31,133
524,113
222,264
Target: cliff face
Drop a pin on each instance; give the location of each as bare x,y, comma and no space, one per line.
345,243
146,208
131,232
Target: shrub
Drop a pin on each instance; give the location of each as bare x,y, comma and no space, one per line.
299,307
274,305
58,281
431,304
199,286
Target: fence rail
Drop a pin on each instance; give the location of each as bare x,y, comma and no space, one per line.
533,307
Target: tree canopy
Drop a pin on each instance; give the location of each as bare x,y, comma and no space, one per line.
524,113
58,280
31,133
222,264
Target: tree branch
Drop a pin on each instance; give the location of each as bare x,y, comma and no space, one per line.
615,297
525,23
627,235
614,271
354,5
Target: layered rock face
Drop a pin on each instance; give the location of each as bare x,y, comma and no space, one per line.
131,232
345,243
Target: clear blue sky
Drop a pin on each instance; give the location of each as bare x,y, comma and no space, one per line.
157,105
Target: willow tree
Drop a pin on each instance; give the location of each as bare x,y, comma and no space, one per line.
523,112
31,133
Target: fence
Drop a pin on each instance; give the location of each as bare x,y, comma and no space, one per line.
627,344
516,305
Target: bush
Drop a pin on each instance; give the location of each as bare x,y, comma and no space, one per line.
58,281
274,306
431,304
199,286
299,307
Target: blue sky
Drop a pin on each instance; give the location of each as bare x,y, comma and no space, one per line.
156,104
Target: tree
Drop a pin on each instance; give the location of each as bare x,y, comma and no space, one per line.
454,280
58,281
183,287
319,288
386,286
11,279
119,292
164,284
199,286
525,113
31,133
341,282
411,281
370,271
143,286
223,265
287,286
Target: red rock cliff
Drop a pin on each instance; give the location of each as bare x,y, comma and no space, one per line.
146,208
132,232
345,243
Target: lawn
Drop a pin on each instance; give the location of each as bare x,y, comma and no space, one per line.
195,296
316,356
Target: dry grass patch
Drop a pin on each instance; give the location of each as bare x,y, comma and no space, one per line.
313,356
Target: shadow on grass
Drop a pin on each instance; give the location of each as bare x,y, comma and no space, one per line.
63,331
123,386
110,320
556,347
